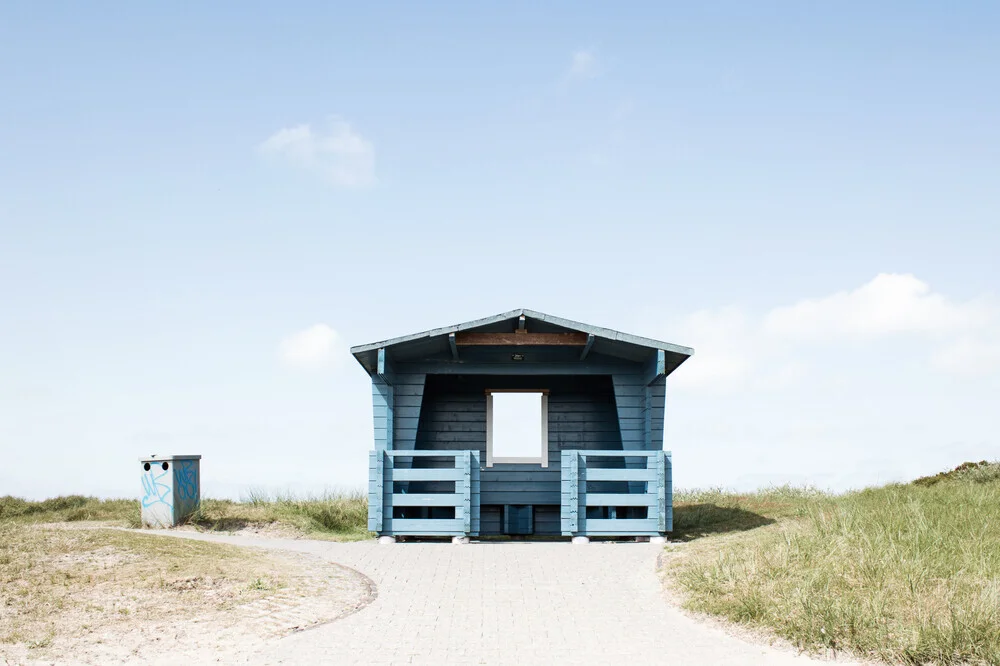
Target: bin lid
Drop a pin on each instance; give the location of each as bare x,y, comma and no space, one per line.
158,458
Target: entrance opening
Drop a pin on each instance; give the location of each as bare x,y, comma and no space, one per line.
517,429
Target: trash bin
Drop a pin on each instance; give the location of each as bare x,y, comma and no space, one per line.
171,489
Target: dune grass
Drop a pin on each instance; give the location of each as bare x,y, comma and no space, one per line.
59,582
902,573
335,515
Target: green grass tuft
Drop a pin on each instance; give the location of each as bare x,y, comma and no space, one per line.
983,471
335,515
903,573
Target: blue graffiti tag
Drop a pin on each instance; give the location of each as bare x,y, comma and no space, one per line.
155,492
186,480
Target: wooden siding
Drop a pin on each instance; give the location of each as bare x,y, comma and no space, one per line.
582,415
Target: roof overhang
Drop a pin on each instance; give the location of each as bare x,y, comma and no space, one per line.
524,328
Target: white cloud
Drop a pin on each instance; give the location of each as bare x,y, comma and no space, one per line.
583,65
338,152
774,350
887,305
314,348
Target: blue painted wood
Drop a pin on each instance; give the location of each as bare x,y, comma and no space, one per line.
621,499
590,474
398,453
429,526
383,366
375,490
574,492
621,526
669,494
382,406
661,492
412,413
465,462
425,499
655,368
611,453
651,475
454,418
428,474
404,427
474,471
630,417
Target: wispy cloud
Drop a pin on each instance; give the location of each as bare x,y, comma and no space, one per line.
738,350
337,152
314,348
583,65
887,305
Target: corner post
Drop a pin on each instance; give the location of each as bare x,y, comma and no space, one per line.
475,462
465,460
376,488
661,492
574,492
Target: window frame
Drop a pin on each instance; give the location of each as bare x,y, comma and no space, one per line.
543,453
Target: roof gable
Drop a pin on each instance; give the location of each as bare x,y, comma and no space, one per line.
502,321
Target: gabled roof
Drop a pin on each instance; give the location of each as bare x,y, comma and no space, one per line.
597,331
679,353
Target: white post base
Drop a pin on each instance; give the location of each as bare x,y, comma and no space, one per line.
460,540
658,540
387,539
581,539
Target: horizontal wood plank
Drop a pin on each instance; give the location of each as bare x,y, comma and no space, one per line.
427,499
429,474
618,499
590,474
636,526
520,339
426,526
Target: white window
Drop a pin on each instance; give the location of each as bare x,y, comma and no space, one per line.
517,427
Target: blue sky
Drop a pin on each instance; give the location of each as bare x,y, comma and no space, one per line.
201,208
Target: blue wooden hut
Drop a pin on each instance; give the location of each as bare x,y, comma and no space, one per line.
520,423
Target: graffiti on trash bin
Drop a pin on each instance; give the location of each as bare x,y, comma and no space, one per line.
155,492
186,480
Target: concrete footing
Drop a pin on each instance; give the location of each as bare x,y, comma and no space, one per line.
581,539
460,540
387,539
658,540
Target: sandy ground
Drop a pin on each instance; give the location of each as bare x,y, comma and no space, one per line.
314,591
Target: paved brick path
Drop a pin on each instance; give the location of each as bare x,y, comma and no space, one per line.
507,603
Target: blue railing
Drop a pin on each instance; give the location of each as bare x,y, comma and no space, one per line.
405,497
616,493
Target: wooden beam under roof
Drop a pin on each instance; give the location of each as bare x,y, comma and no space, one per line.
521,339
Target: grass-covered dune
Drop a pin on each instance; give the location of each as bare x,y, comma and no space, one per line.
901,573
335,516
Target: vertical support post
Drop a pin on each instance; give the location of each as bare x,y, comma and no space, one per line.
464,461
475,463
376,488
574,491
669,492
389,463
661,492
